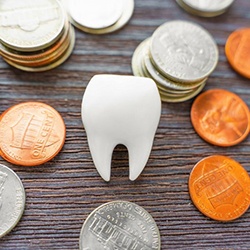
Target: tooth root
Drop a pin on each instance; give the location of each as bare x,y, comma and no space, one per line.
101,151
138,156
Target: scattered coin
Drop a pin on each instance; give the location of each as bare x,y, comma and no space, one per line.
178,61
205,8
42,40
31,133
220,188
12,200
220,117
112,17
120,225
237,50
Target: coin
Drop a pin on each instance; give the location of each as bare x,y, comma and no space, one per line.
95,14
31,133
12,200
51,64
220,188
237,51
30,25
220,117
128,8
120,225
183,51
209,6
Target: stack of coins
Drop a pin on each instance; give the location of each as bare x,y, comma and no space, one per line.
35,36
205,8
98,16
179,57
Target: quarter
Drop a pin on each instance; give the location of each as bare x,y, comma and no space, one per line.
12,200
120,225
183,51
220,188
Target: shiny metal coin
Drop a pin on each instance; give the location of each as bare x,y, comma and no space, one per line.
50,64
12,200
120,225
95,14
198,12
211,6
166,98
128,9
183,51
30,25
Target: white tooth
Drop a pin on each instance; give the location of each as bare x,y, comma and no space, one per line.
120,110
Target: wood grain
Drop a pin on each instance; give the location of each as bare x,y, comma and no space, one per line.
62,192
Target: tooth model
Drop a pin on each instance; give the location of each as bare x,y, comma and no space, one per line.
120,110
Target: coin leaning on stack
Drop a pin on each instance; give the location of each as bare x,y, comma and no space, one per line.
205,8
35,36
179,57
98,16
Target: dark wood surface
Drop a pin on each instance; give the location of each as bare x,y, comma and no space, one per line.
62,193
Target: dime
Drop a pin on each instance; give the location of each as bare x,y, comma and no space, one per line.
237,51
12,200
220,117
183,51
220,188
120,225
31,133
30,25
128,8
95,14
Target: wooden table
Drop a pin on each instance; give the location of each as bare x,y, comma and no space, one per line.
62,193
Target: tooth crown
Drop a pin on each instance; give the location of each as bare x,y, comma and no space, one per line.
120,110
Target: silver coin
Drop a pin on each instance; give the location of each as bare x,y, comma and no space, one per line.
209,5
95,14
30,25
120,225
183,51
12,200
199,12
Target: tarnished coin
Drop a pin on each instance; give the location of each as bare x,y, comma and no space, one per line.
220,117
220,188
12,200
183,51
237,51
31,133
30,25
120,225
95,14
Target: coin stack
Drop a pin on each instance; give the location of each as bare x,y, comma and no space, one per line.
179,57
205,8
98,16
35,35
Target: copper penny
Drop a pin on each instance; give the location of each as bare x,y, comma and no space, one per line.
31,133
220,188
220,117
237,51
